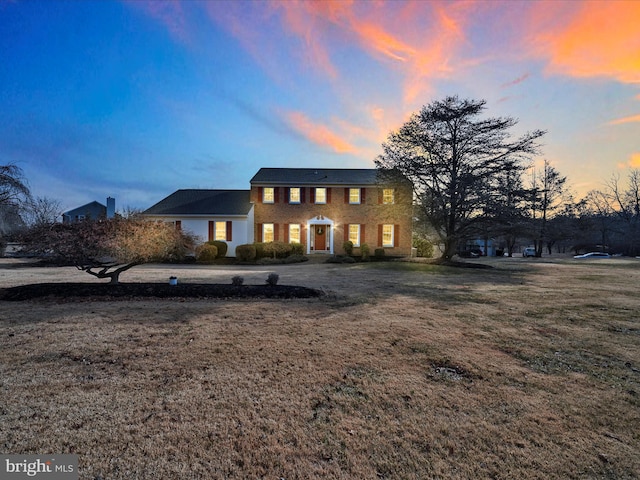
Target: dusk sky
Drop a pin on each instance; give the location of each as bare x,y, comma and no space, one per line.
136,99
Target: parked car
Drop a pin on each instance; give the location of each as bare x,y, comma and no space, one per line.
593,255
529,252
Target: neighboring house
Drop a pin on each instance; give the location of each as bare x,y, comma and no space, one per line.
225,215
323,208
90,211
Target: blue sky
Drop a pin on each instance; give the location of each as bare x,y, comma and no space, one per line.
136,99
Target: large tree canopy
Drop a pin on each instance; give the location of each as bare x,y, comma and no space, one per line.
454,160
106,248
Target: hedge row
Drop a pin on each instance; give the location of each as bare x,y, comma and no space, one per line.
255,251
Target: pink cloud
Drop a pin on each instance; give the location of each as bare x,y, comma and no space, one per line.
518,80
318,133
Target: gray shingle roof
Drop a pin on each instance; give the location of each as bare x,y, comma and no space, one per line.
203,202
91,207
315,176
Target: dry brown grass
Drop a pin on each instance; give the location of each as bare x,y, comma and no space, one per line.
530,370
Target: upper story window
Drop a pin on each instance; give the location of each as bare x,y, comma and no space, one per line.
294,195
321,195
268,195
354,195
388,196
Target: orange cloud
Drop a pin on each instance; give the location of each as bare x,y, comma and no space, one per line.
601,39
631,119
634,161
415,38
318,133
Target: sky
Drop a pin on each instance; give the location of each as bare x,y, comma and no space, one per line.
136,99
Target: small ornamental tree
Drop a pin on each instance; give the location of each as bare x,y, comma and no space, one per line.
106,248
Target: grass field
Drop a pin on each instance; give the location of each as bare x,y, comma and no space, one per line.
406,371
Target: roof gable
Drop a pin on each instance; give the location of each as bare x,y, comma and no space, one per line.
203,202
91,207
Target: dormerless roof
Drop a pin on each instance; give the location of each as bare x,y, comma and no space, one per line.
203,202
315,176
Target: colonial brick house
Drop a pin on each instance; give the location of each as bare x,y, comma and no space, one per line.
320,208
323,208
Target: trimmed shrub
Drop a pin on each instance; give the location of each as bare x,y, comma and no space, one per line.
237,280
272,279
379,253
424,248
246,253
364,251
277,249
206,253
221,246
348,247
259,250
297,249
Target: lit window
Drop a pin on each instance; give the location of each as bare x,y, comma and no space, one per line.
387,235
387,196
354,195
321,195
268,232
221,231
268,195
294,233
354,234
294,195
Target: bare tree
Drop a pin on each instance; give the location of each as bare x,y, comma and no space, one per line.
107,248
13,185
546,198
452,158
625,202
42,211
14,193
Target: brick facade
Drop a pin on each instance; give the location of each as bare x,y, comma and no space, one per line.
324,227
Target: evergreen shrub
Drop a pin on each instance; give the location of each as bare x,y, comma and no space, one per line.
206,253
221,246
246,253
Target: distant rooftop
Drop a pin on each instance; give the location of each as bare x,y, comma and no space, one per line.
203,202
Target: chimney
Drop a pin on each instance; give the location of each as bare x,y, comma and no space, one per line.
111,207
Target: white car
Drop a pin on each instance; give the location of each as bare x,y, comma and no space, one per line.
593,255
529,252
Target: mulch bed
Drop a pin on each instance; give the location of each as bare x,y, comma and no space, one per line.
129,291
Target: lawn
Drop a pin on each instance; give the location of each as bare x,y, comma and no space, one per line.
527,370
